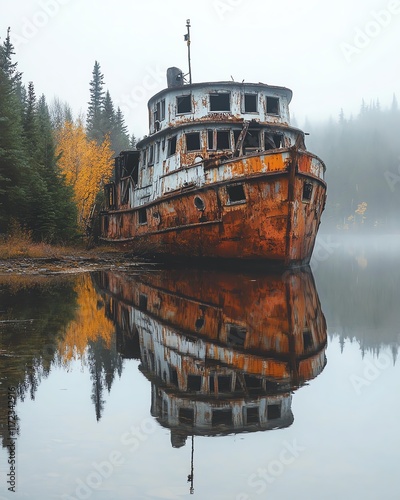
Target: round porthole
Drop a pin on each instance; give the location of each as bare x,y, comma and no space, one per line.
199,324
199,203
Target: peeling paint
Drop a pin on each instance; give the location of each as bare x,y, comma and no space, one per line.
219,340
272,167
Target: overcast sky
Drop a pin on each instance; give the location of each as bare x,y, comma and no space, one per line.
332,55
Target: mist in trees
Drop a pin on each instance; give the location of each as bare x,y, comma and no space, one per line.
103,120
49,180
362,156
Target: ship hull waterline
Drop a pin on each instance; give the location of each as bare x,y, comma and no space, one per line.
271,220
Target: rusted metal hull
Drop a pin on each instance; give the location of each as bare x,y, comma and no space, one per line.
218,341
253,208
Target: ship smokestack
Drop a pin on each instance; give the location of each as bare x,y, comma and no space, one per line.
174,77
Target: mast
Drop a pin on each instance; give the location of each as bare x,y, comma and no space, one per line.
187,40
191,475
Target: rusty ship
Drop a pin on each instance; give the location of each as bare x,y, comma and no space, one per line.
221,174
224,352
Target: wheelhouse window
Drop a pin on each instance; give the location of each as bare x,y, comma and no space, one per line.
220,101
273,411
272,141
273,105
184,104
210,139
162,115
157,116
223,139
250,103
221,417
193,141
252,139
157,151
151,155
171,145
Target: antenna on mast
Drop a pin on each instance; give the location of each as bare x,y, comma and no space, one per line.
187,40
191,475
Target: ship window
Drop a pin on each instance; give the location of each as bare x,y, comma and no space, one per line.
151,154
236,193
210,139
307,191
221,417
142,216
252,139
236,134
184,104
212,383
224,383
186,416
273,105
193,141
143,301
157,151
236,335
157,116
277,140
199,323
162,117
220,102
199,203
253,383
250,103
307,340
223,139
253,415
173,376
273,412
194,382
172,145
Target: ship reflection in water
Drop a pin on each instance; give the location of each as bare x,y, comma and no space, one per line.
223,351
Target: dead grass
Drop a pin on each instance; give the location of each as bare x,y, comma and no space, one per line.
20,245
17,246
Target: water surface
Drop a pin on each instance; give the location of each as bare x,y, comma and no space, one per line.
195,383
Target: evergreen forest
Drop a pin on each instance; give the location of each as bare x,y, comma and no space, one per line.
53,166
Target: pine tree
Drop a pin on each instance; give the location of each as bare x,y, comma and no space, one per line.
95,110
121,141
9,67
33,192
13,166
133,141
108,114
61,212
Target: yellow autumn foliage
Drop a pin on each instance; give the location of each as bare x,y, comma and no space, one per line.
86,165
90,322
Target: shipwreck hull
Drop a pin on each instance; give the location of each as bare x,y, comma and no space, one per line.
224,351
263,208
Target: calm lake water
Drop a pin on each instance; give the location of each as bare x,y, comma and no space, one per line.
174,384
